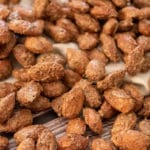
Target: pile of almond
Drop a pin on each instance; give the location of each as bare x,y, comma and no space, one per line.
75,86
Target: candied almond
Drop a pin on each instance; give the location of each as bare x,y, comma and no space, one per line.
134,60
144,27
144,13
145,111
18,120
29,93
21,12
46,141
40,104
54,11
119,100
123,38
92,96
145,65
120,3
58,33
56,105
72,103
145,42
28,143
135,93
31,131
26,27
74,58
5,68
5,34
125,25
7,105
4,142
7,48
46,72
73,142
87,23
87,41
54,89
111,80
97,54
4,11
106,110
71,77
129,12
109,47
38,44
39,8
144,126
6,88
24,56
21,74
93,120
137,139
69,26
124,122
111,26
51,57
103,10
78,6
101,144
95,70
76,126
